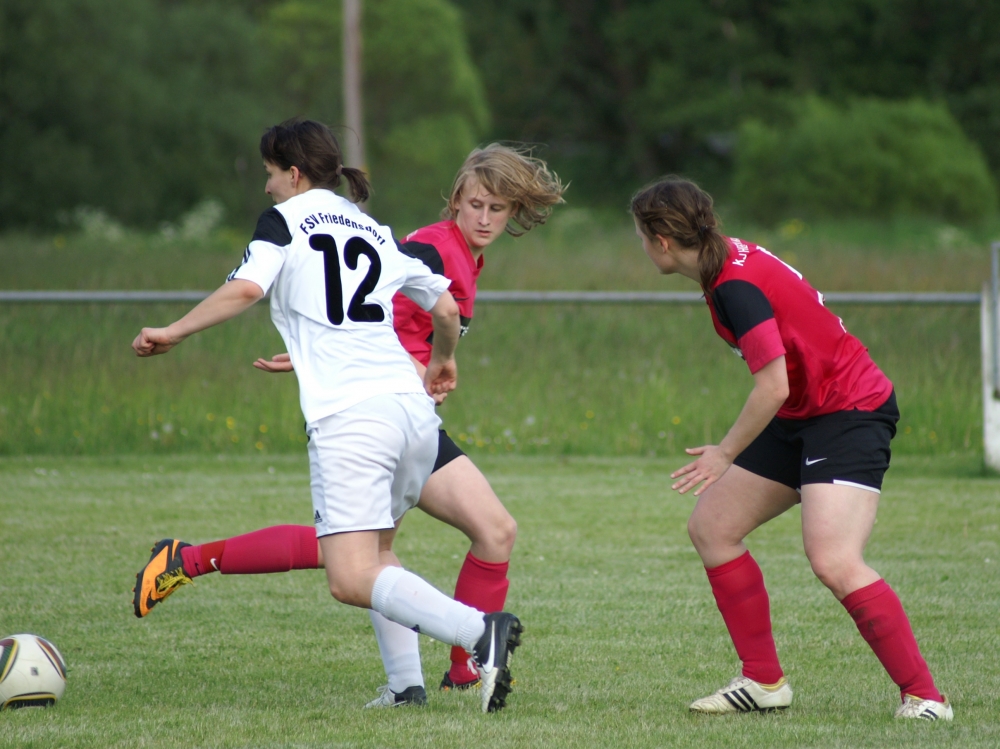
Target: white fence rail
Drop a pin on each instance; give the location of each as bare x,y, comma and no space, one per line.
988,300
495,297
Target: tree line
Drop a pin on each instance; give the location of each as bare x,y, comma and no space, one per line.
142,109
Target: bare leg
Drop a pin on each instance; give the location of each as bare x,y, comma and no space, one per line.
726,512
730,509
837,522
459,495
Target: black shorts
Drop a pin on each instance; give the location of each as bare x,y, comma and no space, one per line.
447,450
846,447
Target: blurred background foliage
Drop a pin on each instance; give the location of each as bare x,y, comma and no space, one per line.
139,112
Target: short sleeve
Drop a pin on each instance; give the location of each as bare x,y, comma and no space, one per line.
427,253
422,285
264,256
745,311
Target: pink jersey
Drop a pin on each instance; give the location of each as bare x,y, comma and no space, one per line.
444,250
764,309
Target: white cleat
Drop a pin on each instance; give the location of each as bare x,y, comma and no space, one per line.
914,707
743,695
492,656
410,696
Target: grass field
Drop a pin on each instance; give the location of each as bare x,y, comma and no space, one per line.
621,633
533,380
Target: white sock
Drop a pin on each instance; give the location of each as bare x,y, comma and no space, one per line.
402,597
400,649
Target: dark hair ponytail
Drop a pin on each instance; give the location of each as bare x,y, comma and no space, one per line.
313,148
677,208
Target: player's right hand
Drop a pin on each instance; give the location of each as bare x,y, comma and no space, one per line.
278,363
440,378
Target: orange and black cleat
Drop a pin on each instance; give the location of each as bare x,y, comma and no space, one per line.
163,574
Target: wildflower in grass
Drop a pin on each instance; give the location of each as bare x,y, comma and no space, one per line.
259,445
263,428
676,420
210,416
589,414
235,438
230,422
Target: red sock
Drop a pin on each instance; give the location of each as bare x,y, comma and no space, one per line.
279,548
482,585
739,591
882,622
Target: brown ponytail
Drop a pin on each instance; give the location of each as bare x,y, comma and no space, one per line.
313,148
677,208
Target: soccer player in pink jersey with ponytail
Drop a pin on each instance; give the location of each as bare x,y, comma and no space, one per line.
815,430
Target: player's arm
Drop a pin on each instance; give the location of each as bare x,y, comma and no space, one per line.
441,375
226,302
770,390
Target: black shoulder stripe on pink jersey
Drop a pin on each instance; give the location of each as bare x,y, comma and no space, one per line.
427,253
740,306
272,227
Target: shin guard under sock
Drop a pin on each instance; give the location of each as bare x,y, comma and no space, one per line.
881,620
483,586
406,599
739,591
400,651
279,548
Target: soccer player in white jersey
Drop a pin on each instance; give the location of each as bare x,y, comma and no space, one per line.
373,433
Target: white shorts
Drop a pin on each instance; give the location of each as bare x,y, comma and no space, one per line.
368,463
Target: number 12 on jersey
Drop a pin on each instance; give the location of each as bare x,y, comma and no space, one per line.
357,310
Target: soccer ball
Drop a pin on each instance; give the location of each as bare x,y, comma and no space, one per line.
32,672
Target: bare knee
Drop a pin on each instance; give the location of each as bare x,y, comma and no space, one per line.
838,572
349,592
703,534
493,538
716,544
503,534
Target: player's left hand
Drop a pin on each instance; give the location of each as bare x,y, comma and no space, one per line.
278,363
440,378
153,341
709,467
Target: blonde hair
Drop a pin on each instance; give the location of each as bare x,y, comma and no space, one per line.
513,174
676,207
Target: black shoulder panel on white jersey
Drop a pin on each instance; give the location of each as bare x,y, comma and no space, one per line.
272,227
740,306
426,253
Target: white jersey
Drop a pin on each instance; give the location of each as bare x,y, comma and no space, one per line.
334,272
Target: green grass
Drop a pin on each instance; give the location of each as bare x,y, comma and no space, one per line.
641,380
537,380
621,633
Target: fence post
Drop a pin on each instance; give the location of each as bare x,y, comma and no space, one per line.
990,334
